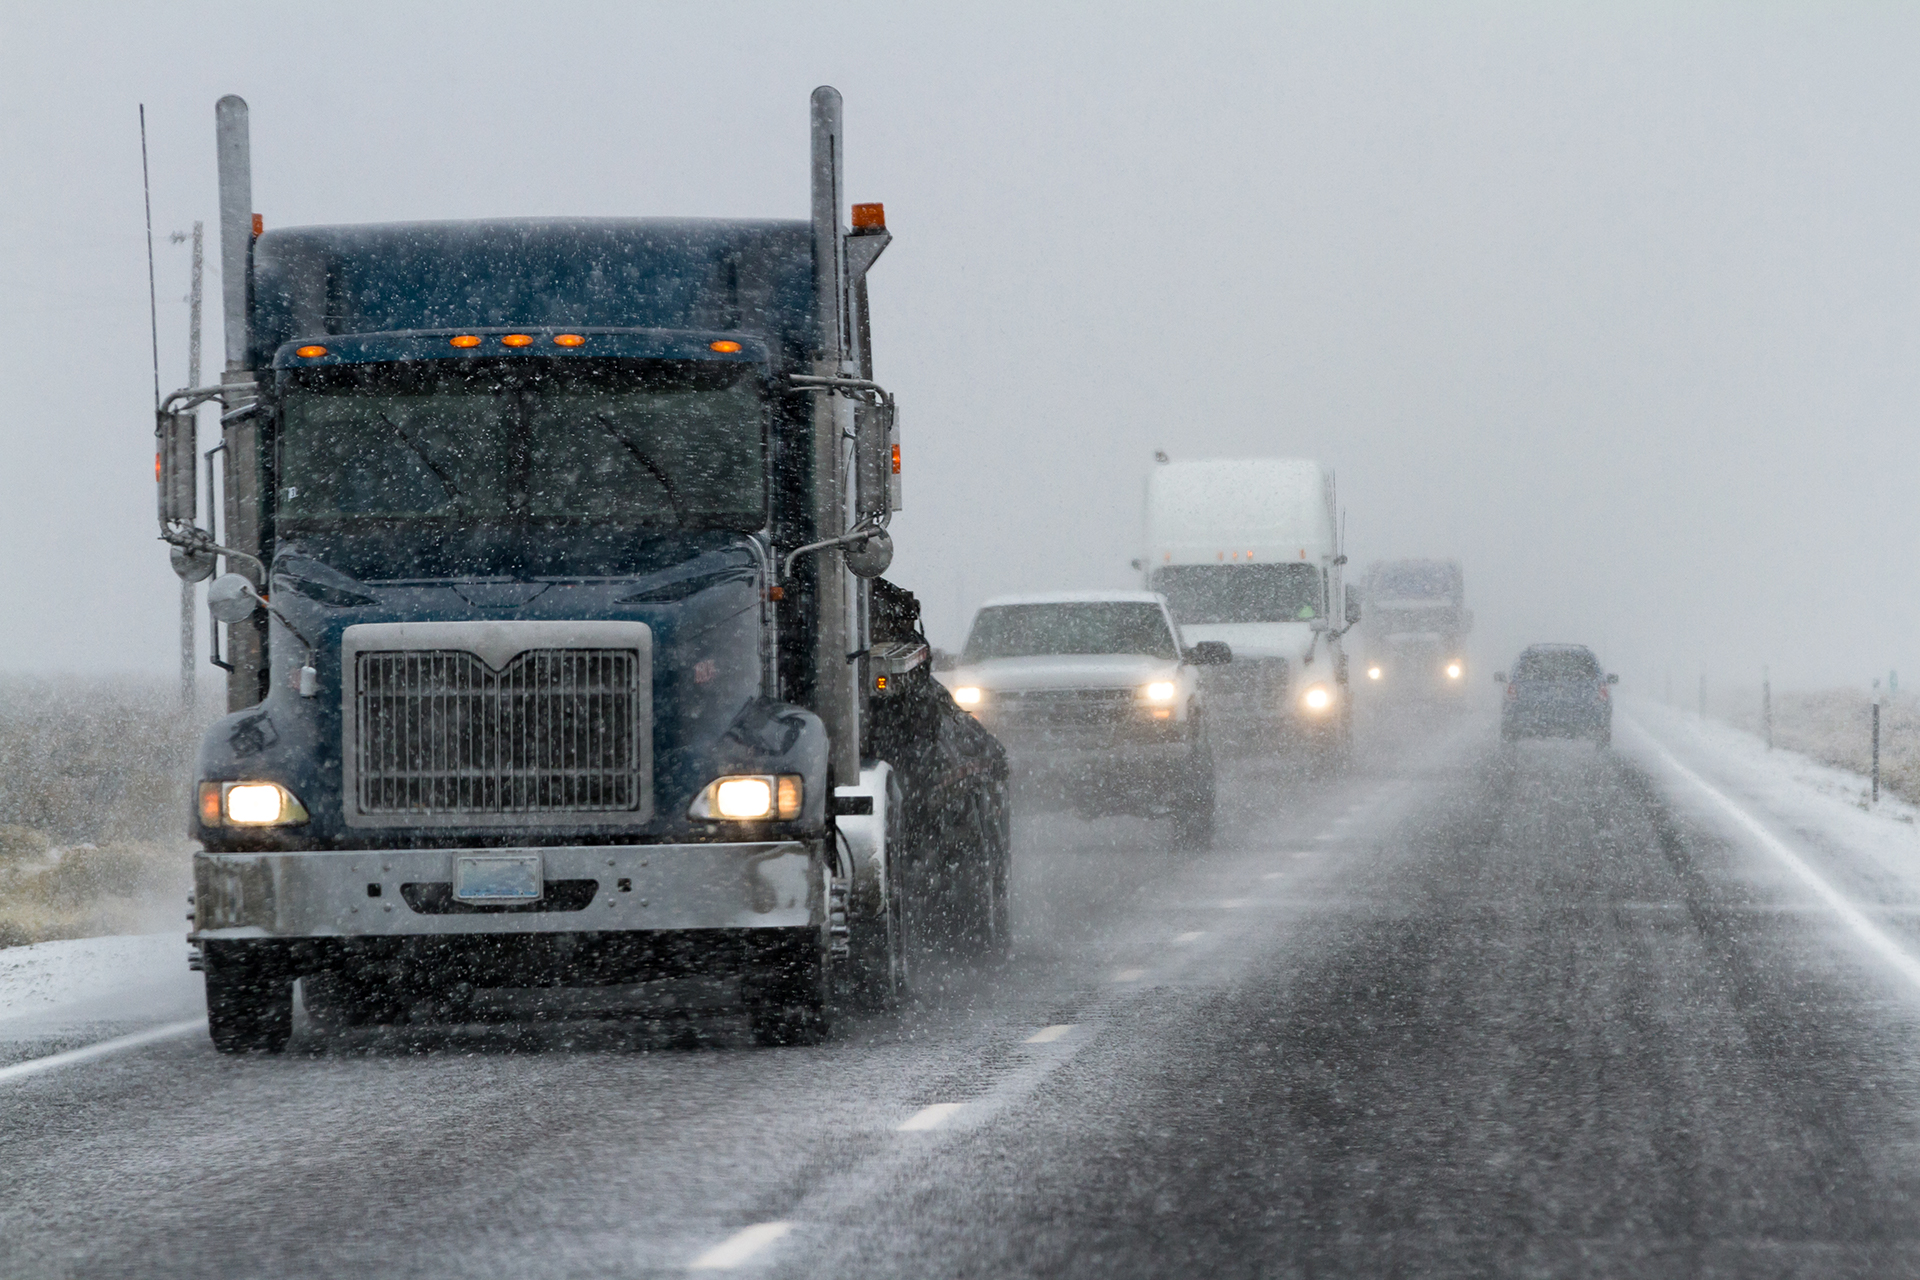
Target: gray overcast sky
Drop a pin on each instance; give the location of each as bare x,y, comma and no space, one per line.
1620,304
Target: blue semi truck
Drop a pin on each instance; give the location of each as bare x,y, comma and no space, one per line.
558,657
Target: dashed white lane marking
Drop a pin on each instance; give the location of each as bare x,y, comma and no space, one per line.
739,1248
54,1061
1185,938
1863,928
1047,1035
1130,975
1274,875
927,1117
1234,904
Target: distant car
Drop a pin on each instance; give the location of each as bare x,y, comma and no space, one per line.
1094,696
1557,691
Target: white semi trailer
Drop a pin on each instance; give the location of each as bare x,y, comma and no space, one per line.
1247,552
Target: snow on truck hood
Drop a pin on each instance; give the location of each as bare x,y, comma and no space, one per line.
1254,639
1061,671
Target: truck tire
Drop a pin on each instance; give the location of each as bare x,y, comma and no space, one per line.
1193,808
249,1009
789,1004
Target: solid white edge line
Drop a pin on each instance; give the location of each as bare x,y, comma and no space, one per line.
1863,928
1047,1035
1129,975
739,1248
54,1061
927,1117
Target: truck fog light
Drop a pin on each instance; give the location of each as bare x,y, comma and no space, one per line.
967,696
257,804
1318,698
1453,671
749,798
1160,691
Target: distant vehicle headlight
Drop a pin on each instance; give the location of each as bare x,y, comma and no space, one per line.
1318,698
249,804
1454,670
1160,691
967,696
1373,673
748,797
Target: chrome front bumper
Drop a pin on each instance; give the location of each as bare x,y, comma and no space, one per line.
406,892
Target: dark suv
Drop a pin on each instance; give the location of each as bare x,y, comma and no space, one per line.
1557,691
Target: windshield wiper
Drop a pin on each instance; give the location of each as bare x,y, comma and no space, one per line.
653,468
453,491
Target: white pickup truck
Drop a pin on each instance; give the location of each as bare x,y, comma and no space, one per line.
1098,703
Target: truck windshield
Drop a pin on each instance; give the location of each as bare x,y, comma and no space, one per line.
627,443
1413,580
1102,626
1206,593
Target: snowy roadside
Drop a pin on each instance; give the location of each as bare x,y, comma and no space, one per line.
1875,848
81,986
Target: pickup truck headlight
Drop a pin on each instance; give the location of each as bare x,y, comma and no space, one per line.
1160,691
748,797
249,804
967,696
1317,699
1455,671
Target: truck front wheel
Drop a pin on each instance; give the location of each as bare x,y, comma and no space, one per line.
249,1007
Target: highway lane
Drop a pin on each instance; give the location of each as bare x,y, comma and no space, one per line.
1462,1012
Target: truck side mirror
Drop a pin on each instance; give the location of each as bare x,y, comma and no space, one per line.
1353,609
876,460
232,599
1210,653
870,556
174,441
1499,677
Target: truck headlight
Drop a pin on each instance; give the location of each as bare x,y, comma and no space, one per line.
1454,670
249,804
748,797
1373,673
967,696
1317,699
1160,691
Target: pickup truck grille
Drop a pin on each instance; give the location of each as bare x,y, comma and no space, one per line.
555,731
1061,708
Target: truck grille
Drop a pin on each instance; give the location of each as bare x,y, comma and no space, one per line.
555,731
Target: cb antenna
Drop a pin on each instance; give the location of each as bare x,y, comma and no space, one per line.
153,300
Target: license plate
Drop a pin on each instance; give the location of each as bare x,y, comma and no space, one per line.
498,880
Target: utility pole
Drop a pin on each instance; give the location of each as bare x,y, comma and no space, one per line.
1766,704
193,380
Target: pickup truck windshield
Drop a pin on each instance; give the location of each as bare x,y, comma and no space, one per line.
1102,626
679,444
1205,593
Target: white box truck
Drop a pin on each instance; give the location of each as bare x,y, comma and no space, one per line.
1247,552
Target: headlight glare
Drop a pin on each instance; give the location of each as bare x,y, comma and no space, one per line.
1160,691
1453,670
1318,698
967,696
752,797
1373,673
251,804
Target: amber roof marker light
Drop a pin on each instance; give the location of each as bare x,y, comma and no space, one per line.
311,353
516,340
465,340
568,340
870,217
726,346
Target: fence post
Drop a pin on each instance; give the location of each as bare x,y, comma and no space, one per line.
1876,742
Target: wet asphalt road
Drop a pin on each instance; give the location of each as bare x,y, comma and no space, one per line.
1461,1012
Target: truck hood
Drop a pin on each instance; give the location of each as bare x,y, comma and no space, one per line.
1289,640
1063,671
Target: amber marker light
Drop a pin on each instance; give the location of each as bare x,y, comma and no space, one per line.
870,217
516,340
465,340
311,353
568,340
726,346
